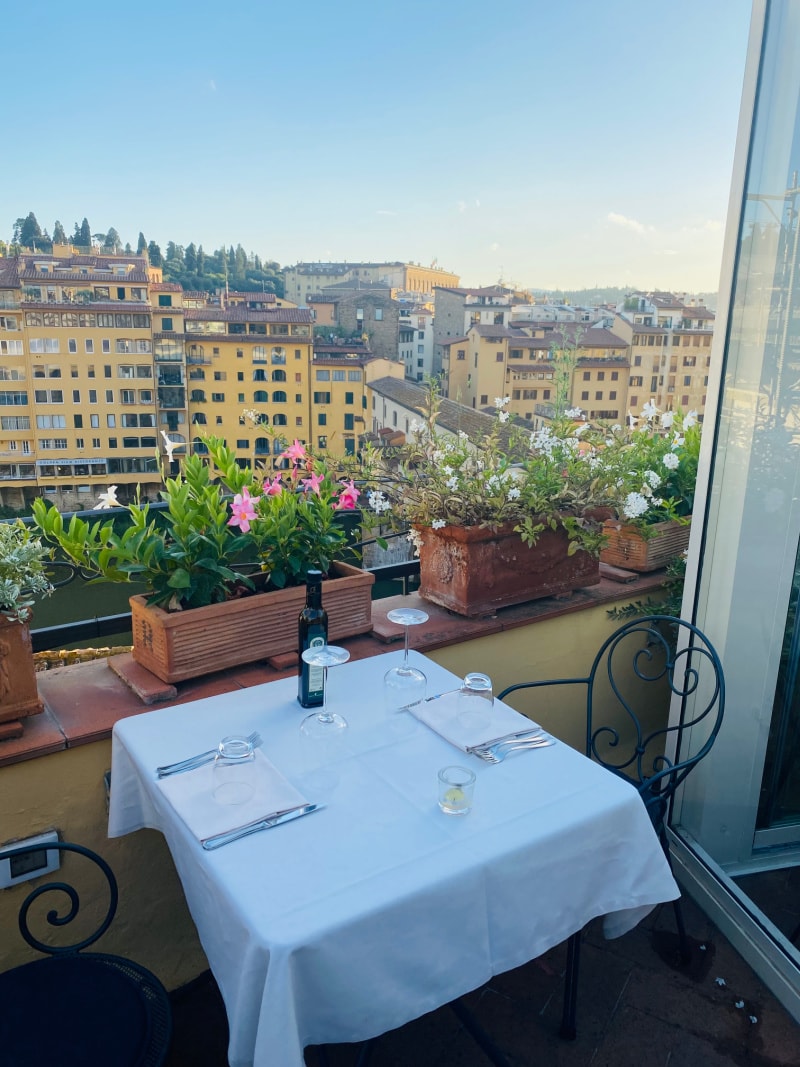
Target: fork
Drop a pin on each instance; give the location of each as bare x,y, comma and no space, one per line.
497,753
202,757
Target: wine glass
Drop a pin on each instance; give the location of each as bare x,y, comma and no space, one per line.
405,684
324,723
234,771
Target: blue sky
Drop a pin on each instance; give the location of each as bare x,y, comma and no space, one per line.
558,144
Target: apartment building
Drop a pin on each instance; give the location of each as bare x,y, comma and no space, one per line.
415,346
456,310
524,364
78,398
612,368
99,356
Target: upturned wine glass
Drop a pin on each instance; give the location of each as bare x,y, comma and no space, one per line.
405,684
324,723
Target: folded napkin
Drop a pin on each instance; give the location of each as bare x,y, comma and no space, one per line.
191,795
446,716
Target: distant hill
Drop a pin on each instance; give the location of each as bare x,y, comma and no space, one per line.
610,295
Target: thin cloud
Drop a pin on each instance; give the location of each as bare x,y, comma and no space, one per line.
212,86
462,206
629,224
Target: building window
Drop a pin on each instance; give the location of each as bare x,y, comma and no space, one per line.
587,376
499,357
218,398
322,441
322,419
379,314
164,300
322,398
461,354
349,422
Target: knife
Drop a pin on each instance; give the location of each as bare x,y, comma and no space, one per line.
218,840
427,700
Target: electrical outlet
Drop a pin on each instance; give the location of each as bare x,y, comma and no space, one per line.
16,869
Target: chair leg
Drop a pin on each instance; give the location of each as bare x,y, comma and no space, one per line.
686,949
479,1035
568,1019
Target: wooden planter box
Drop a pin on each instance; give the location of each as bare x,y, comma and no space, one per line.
628,549
19,696
475,571
185,644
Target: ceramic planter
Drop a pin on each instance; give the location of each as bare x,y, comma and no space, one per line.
475,571
627,548
19,697
185,644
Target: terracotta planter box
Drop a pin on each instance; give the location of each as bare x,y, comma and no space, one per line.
185,644
19,696
475,571
627,548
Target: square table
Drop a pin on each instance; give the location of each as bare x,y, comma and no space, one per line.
357,918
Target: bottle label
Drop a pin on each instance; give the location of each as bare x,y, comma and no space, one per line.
316,674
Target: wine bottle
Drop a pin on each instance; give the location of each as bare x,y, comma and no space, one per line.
312,632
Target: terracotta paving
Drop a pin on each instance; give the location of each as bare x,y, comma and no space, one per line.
636,1005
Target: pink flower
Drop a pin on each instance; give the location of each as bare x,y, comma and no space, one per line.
243,510
275,487
312,483
295,452
348,497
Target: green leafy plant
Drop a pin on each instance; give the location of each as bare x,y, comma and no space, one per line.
22,570
551,477
222,518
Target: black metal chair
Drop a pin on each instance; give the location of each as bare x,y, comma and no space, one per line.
651,650
77,1008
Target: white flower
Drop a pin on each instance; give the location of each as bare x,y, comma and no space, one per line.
653,478
170,446
632,420
573,413
671,461
635,505
499,401
463,436
108,499
378,502
416,540
667,418
514,493
452,483
503,416
437,524
650,410
616,428
581,429
690,419
416,426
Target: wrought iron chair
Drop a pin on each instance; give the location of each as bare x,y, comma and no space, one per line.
75,1008
650,650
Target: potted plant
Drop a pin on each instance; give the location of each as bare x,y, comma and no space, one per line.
501,518
226,563
656,457
22,578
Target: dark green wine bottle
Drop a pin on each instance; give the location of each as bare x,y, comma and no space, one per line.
312,632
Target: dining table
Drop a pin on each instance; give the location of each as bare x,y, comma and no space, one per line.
377,906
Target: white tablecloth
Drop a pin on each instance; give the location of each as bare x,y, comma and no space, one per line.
360,917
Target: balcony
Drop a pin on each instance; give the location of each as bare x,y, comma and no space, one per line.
631,994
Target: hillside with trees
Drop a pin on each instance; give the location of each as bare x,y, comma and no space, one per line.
190,266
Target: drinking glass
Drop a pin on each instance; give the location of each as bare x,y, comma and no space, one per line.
475,700
234,771
324,723
405,684
456,787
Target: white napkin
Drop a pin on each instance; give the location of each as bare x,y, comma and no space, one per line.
442,715
191,795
